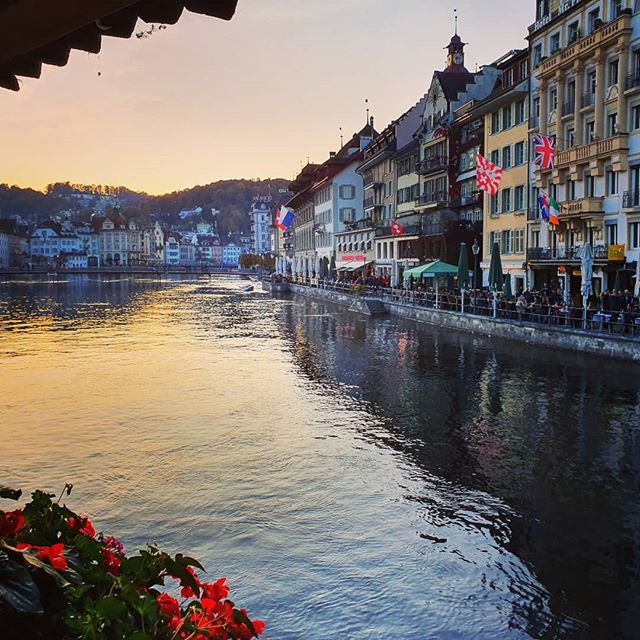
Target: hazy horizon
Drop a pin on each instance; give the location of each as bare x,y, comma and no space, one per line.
207,100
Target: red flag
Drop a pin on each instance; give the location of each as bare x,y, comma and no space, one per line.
396,228
488,175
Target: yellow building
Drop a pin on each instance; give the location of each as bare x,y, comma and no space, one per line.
506,132
585,68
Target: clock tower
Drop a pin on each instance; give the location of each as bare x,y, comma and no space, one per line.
455,59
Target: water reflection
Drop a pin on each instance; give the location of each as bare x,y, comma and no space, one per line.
353,478
551,435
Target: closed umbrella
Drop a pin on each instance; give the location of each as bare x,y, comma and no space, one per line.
636,290
463,271
332,267
508,292
317,266
586,271
496,277
617,285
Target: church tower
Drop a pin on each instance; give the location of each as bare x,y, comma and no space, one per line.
455,58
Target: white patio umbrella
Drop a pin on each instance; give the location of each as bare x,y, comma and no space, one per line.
586,269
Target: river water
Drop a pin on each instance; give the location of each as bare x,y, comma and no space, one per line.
352,478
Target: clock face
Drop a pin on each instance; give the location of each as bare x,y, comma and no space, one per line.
457,58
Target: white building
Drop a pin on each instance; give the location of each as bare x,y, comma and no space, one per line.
231,255
261,222
50,242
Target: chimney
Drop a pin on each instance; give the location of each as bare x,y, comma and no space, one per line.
371,121
332,154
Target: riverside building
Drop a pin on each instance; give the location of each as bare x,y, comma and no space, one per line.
585,91
506,143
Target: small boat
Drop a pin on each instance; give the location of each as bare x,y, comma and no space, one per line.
248,287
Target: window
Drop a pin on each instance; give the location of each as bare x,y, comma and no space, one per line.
612,182
537,55
518,241
591,81
613,73
520,112
554,42
495,237
506,200
535,238
524,69
612,233
495,122
518,198
570,190
347,192
506,118
634,235
635,117
542,9
612,124
506,241
348,214
507,78
573,32
615,8
590,131
591,186
553,99
494,206
506,157
495,156
593,19
518,152
571,137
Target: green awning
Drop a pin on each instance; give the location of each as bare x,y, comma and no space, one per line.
431,270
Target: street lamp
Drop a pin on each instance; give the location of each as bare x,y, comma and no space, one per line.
475,248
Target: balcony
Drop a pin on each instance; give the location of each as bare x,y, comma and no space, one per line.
431,165
568,108
409,230
631,199
633,80
467,200
594,151
608,34
370,180
533,214
566,254
372,202
583,208
431,199
587,100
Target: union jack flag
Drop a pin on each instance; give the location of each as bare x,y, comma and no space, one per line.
545,151
488,175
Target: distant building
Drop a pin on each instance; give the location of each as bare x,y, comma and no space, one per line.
120,241
50,241
231,255
261,222
14,244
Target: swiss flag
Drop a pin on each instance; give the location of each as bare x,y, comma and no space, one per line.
396,228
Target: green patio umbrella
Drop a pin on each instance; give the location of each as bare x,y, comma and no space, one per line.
430,270
463,268
496,278
508,293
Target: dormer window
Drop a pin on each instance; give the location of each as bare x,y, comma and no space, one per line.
542,9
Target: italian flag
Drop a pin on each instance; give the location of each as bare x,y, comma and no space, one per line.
554,210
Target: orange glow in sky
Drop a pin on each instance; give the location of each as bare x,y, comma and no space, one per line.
207,99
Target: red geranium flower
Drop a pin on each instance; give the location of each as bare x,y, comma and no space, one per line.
215,590
10,523
82,525
168,606
53,554
111,562
113,544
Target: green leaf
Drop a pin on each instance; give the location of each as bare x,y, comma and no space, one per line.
18,589
188,561
139,635
111,608
240,617
10,494
180,571
47,568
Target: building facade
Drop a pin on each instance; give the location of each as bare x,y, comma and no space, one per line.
506,143
261,223
585,91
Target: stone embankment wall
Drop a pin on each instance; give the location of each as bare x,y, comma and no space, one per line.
555,337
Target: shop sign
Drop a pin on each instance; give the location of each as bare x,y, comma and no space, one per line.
576,272
563,8
351,258
616,252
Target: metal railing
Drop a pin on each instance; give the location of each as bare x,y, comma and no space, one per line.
431,198
630,199
568,108
633,80
433,164
600,252
587,100
537,310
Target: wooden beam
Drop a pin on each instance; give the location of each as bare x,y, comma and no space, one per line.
26,25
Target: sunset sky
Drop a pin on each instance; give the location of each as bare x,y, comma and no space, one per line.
206,99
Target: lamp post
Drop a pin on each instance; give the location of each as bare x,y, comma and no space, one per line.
475,248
